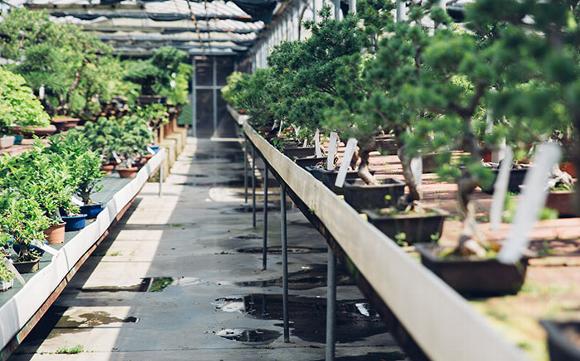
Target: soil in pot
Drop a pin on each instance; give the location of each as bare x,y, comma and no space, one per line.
294,152
365,196
310,161
55,233
472,276
515,182
563,340
91,210
128,172
418,226
6,141
563,202
75,222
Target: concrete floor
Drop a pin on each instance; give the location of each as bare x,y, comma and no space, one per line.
189,241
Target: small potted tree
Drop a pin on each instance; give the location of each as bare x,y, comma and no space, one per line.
6,276
135,138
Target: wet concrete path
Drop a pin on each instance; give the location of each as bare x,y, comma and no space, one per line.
180,279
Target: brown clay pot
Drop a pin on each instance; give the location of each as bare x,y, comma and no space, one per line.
55,233
561,201
128,172
108,168
568,167
65,123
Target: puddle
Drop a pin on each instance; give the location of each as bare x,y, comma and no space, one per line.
307,278
243,237
355,319
148,284
248,208
257,336
278,250
91,319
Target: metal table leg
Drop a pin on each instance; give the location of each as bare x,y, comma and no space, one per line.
265,239
245,170
254,187
330,305
284,236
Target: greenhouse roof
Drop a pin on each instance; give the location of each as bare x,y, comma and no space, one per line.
135,27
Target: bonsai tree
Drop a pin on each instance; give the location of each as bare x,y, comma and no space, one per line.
83,164
136,136
154,114
44,179
18,106
23,219
104,137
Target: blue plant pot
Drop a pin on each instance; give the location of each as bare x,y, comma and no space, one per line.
92,210
155,148
18,139
75,223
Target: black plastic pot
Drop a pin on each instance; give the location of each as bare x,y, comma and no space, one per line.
75,223
387,145
294,152
418,228
92,210
329,178
364,196
515,182
27,266
310,161
474,277
316,171
560,347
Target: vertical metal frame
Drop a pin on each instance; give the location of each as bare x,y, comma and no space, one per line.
194,99
284,241
215,94
265,236
253,186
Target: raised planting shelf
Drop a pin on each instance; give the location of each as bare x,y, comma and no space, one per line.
22,307
442,323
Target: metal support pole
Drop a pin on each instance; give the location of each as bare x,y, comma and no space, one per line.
284,236
399,11
336,9
253,186
265,239
330,305
245,170
161,175
215,95
193,100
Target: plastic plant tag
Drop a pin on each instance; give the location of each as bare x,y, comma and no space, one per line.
417,170
332,147
500,190
531,202
347,157
76,201
14,271
116,156
305,143
317,144
280,129
44,247
41,92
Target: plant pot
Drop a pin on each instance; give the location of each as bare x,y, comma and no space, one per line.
563,340
40,132
128,172
18,139
429,162
155,148
151,99
6,285
474,277
92,210
75,222
417,227
294,152
108,168
387,145
364,196
55,233
329,178
317,171
27,266
310,161
569,168
65,123
515,182
6,141
561,201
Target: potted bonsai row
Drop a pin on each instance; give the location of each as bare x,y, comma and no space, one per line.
136,136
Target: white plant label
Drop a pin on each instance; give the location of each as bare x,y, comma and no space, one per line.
332,147
41,92
347,157
317,144
531,202
116,156
14,271
305,143
44,247
280,129
417,170
76,201
150,150
500,190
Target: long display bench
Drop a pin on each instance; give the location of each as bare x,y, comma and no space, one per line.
23,306
440,321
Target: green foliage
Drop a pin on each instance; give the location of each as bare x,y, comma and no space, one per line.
5,274
83,164
18,106
135,137
103,137
154,114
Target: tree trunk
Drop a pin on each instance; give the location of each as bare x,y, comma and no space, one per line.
363,168
415,192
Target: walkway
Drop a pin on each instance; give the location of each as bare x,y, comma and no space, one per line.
180,279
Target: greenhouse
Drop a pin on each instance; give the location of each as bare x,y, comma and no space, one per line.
304,180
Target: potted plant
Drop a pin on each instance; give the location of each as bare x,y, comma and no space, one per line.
24,221
563,339
6,278
136,136
103,136
19,108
